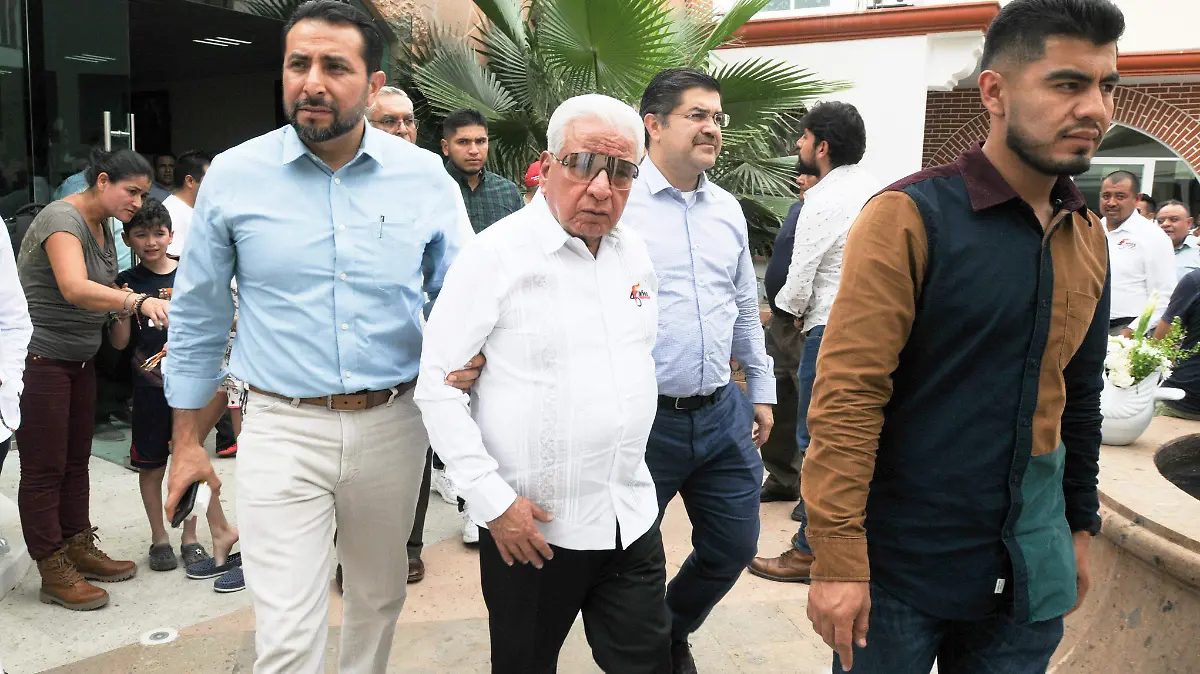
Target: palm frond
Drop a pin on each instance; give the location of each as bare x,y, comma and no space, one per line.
451,77
735,18
505,15
758,176
753,92
613,47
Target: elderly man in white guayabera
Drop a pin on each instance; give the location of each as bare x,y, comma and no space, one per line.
550,453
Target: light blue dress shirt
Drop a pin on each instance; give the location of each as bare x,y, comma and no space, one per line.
332,267
1187,257
708,292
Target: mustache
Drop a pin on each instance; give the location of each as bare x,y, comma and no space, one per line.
704,139
309,102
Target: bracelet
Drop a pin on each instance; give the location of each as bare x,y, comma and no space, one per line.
137,305
125,303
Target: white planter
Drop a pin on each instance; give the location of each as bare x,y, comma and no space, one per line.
1128,410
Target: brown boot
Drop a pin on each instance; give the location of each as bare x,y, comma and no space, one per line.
790,567
92,563
62,585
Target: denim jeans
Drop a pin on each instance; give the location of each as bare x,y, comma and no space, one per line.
807,375
708,457
904,640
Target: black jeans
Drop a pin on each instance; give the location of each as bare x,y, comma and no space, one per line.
4,447
620,592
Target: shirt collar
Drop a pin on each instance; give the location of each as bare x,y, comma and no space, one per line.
657,182
1134,220
1189,241
549,232
987,188
371,146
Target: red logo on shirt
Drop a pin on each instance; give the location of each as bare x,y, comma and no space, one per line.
1126,244
637,294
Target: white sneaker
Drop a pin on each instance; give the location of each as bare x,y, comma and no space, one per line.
470,531
444,487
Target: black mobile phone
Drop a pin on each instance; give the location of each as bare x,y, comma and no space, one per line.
186,504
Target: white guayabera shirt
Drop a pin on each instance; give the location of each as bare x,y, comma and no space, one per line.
562,410
830,208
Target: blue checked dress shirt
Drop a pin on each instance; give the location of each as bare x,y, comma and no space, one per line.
332,267
708,292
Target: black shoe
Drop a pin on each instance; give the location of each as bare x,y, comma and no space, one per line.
798,512
338,577
773,491
681,658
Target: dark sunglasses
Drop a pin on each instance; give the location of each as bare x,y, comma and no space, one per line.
583,167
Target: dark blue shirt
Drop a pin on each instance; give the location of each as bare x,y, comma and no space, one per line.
781,255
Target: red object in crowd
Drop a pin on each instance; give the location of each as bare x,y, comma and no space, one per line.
534,175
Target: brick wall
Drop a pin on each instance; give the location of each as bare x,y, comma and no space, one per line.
1169,113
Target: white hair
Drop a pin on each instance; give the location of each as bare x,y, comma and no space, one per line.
387,90
620,116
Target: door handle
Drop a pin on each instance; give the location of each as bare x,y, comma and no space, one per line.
110,133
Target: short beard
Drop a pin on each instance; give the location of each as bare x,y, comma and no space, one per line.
339,127
1028,152
805,168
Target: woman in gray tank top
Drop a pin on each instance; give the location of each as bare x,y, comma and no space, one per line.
67,265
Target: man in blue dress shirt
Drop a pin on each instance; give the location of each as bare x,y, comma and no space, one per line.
336,233
703,443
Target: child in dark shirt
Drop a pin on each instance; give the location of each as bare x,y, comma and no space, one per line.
148,234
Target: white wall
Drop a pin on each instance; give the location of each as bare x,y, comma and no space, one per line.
889,85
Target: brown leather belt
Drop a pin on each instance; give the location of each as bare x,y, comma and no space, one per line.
347,402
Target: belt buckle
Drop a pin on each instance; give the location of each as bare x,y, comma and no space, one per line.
677,407
329,403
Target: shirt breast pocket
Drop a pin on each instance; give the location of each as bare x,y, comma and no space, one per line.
396,249
1081,309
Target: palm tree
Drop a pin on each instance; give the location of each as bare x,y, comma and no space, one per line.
529,56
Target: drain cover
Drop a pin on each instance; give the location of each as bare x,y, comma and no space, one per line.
157,637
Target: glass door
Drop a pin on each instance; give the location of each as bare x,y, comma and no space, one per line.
85,82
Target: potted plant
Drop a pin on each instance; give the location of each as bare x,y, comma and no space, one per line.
1134,369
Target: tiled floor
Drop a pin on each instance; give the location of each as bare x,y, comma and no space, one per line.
759,627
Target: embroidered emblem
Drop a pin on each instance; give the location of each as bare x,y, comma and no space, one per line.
1126,244
637,294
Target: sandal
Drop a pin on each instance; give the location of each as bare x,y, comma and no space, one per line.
162,557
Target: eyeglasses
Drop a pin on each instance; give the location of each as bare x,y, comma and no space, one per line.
389,123
583,167
719,118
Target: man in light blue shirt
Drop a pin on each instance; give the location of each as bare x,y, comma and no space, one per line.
336,233
1176,220
703,443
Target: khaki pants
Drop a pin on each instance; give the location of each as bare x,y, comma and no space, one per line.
300,469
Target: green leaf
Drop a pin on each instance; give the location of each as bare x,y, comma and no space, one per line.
506,16
735,18
753,92
616,47
453,78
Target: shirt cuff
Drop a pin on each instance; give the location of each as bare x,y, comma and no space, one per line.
190,393
840,559
490,498
760,390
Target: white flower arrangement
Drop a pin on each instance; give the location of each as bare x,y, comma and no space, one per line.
1132,360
